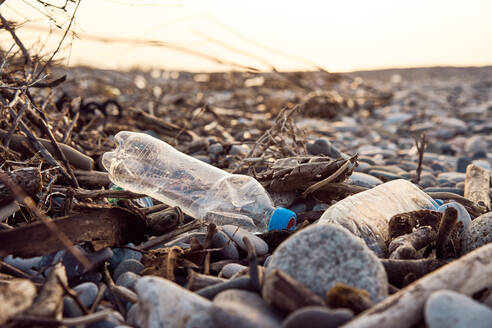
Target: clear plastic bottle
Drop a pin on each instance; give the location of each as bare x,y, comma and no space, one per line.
144,164
367,214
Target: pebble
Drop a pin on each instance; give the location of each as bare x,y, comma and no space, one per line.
231,269
162,303
463,215
478,233
215,149
476,144
323,254
238,150
298,208
453,177
228,248
115,319
362,167
322,146
283,198
483,164
317,317
384,174
203,158
24,264
427,180
132,315
363,180
243,309
130,265
456,191
128,280
86,293
446,308
462,163
237,234
320,207
70,308
122,254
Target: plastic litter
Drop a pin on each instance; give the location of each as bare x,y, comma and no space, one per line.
367,214
144,164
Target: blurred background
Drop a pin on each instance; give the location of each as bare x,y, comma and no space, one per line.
286,35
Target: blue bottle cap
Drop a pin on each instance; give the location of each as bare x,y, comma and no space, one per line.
282,219
439,202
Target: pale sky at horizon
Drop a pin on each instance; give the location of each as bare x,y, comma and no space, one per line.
338,35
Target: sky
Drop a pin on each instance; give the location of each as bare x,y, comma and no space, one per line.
282,34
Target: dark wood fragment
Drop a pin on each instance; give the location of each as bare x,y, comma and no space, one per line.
444,235
287,294
76,158
343,296
398,269
102,226
197,281
404,223
406,246
29,179
92,179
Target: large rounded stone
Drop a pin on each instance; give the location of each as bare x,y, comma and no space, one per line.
324,254
446,308
479,233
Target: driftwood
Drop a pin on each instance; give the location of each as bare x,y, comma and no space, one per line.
49,302
103,226
286,293
448,221
92,179
466,275
398,269
76,158
15,296
29,179
406,246
198,281
477,185
343,296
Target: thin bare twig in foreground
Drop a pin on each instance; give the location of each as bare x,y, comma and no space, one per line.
60,43
19,43
421,143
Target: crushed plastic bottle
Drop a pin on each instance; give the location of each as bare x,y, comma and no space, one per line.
367,214
144,164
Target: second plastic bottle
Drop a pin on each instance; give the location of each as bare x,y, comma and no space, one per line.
367,214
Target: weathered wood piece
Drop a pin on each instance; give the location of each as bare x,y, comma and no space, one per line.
103,226
76,158
286,293
49,303
406,246
343,296
15,296
29,179
92,179
466,275
477,185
